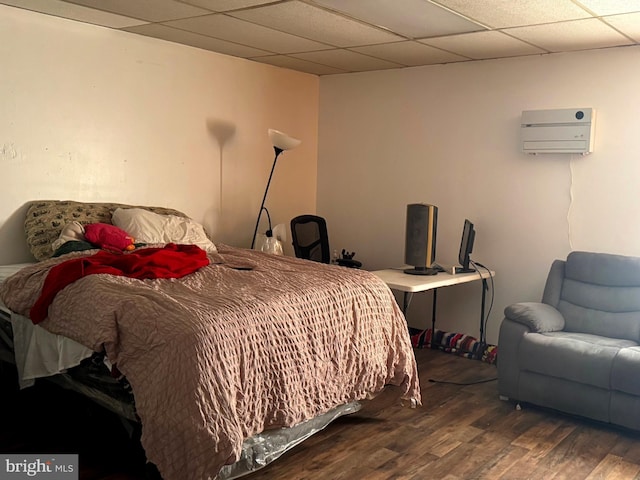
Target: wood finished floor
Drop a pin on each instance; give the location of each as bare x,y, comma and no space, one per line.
461,432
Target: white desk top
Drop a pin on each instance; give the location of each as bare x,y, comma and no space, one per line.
404,282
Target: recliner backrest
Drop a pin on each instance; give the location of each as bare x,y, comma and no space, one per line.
597,293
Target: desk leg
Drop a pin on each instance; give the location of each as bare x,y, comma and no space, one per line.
433,318
482,307
405,303
484,292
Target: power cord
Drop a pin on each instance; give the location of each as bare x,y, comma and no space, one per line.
476,382
486,318
569,209
484,327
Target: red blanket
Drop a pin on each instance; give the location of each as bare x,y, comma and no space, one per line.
170,261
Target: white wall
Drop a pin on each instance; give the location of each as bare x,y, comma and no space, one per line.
449,135
94,114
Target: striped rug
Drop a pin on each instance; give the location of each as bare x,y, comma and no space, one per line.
456,343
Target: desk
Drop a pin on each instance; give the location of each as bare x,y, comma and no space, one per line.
396,279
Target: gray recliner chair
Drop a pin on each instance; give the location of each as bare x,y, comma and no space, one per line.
578,350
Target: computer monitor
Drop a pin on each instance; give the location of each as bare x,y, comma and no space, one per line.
420,239
466,247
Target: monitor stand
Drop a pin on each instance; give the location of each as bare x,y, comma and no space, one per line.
421,271
464,270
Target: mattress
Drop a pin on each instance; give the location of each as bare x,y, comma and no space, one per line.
37,352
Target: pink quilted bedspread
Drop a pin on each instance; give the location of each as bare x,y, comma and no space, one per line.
227,352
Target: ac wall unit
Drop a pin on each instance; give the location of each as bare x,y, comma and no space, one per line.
567,130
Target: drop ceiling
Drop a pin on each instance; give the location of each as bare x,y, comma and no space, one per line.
325,37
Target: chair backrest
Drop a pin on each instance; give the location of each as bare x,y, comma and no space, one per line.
597,293
310,238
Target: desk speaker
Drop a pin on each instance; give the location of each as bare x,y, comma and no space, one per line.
420,238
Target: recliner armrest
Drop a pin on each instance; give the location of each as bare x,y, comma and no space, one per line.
539,317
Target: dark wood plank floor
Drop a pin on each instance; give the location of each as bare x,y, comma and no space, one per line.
461,432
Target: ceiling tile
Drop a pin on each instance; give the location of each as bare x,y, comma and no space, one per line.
426,19
75,12
568,36
346,60
611,7
512,13
409,53
246,33
481,45
629,24
317,24
196,40
297,64
224,5
150,10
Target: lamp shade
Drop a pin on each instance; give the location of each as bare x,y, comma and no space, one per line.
283,141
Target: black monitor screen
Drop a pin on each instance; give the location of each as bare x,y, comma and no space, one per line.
466,245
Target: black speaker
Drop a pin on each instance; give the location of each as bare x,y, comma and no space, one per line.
420,238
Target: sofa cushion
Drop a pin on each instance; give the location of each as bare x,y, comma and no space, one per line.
624,373
579,357
601,295
603,269
599,322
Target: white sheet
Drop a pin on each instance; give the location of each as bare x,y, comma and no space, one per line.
7,270
39,353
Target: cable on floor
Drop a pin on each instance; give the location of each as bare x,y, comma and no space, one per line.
476,382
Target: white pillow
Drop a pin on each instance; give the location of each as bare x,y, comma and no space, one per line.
148,227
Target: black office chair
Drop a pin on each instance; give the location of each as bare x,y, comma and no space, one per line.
310,238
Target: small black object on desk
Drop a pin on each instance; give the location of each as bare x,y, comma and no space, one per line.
347,260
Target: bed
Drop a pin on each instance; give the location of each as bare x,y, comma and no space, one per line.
244,347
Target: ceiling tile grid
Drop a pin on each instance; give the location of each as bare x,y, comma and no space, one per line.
514,13
346,60
325,37
149,10
249,34
197,40
318,24
80,13
426,19
483,45
628,24
570,36
410,53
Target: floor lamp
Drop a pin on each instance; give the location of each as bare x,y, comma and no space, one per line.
280,142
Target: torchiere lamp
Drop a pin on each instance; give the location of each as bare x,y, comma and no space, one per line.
281,142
